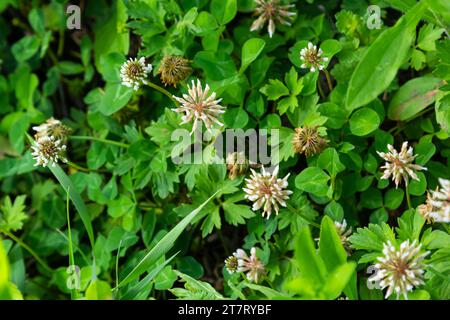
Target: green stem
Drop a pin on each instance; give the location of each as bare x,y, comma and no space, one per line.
327,75
162,90
322,95
408,200
112,142
26,247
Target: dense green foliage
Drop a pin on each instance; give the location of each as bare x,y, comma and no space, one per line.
122,220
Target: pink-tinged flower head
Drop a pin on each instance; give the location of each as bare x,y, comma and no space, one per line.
273,12
400,165
400,270
199,105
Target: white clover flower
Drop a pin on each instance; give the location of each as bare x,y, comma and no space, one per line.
400,164
344,233
251,265
200,106
52,127
272,11
48,150
312,58
400,270
265,189
134,72
437,207
232,263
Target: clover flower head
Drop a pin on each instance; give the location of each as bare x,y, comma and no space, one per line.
232,264
273,12
237,164
173,69
308,141
312,58
437,206
266,190
253,267
199,105
400,165
400,270
134,72
54,128
344,233
48,150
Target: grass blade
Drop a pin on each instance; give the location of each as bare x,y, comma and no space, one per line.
163,246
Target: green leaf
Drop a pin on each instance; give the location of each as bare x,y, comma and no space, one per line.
330,246
380,63
428,34
274,89
413,97
99,290
393,198
372,237
13,214
163,246
114,98
309,262
338,280
224,10
329,160
418,188
364,121
195,289
410,225
78,202
25,48
313,180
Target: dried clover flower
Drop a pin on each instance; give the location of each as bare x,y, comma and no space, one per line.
312,58
344,233
173,69
54,128
266,190
134,72
437,206
400,270
251,265
400,164
199,106
273,12
307,140
48,150
237,164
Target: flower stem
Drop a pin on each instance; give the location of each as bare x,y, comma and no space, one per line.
408,200
327,75
27,248
162,90
112,142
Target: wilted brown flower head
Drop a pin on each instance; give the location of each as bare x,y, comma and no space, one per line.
173,69
237,164
54,128
273,12
308,141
